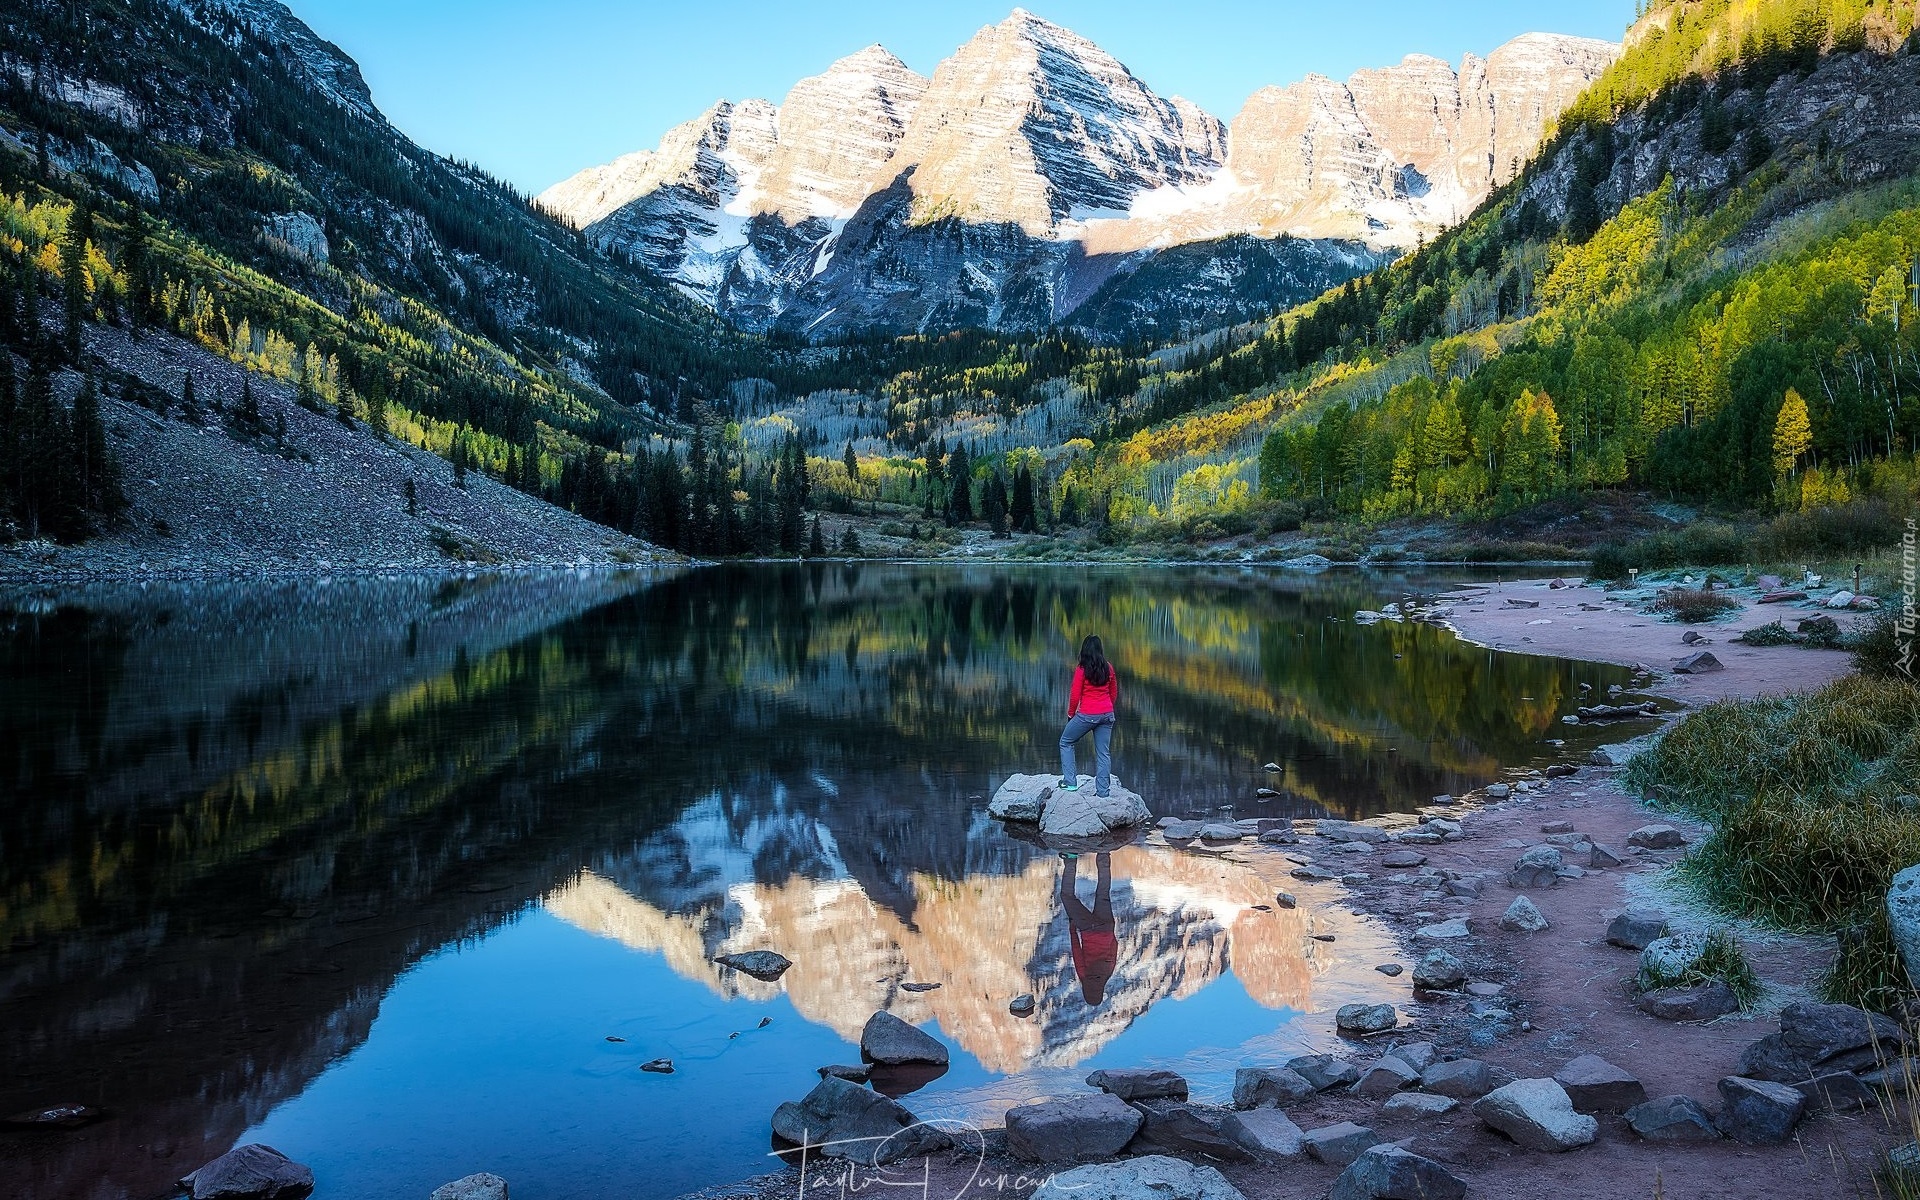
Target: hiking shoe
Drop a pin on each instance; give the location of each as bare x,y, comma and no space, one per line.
1068,787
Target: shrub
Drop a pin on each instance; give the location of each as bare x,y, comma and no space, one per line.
1721,958
1702,545
1805,796
1771,634
1694,605
1824,533
1878,649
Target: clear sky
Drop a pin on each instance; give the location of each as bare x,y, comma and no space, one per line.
534,90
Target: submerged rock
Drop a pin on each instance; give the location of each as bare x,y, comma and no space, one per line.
482,1186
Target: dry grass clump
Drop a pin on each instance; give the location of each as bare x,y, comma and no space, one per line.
1811,799
1694,605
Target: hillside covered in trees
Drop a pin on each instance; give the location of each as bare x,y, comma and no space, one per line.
1703,286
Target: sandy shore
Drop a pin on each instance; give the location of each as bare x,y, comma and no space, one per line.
1589,622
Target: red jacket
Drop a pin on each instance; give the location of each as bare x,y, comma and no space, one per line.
1090,700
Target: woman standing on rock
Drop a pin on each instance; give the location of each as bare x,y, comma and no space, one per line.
1090,705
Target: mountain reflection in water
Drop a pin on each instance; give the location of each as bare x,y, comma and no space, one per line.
310,864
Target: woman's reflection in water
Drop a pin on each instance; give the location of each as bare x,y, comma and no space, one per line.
1096,951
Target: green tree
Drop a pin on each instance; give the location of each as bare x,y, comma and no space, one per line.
1022,505
853,464
816,543
96,472
1792,434
960,468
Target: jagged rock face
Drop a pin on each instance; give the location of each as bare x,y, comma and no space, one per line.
1032,124
1396,153
1034,169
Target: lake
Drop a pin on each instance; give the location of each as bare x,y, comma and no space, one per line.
407,877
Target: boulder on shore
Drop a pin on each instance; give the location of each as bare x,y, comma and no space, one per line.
1264,1133
1175,1127
1596,1085
888,1039
1637,928
1672,1119
1537,1114
1524,916
1701,1002
1391,1173
1537,867
1263,1087
1155,1176
250,1172
1073,1129
1757,1112
1903,917
1037,799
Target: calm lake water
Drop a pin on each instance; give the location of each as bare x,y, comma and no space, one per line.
406,878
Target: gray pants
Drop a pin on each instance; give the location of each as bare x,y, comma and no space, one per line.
1101,726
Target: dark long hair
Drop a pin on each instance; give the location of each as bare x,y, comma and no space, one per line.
1093,661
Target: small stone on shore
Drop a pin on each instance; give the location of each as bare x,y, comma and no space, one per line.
1366,1018
482,1186
1523,916
1672,1119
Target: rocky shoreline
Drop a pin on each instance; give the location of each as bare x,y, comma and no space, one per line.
1532,1054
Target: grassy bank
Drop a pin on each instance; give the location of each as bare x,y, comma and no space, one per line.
1812,804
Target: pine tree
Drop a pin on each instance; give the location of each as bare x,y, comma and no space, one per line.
961,471
73,275
249,410
136,262
9,440
816,545
458,453
96,473
189,402
413,499
996,502
44,498
850,541
1022,509
853,464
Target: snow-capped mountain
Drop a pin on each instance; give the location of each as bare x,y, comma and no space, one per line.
1034,172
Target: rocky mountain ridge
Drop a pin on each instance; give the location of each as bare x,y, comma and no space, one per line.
1033,168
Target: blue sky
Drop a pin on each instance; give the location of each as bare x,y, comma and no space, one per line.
534,90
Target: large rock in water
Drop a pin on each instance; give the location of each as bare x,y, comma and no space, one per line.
250,1172
1038,799
1155,1177
1139,1083
764,965
845,1120
888,1039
